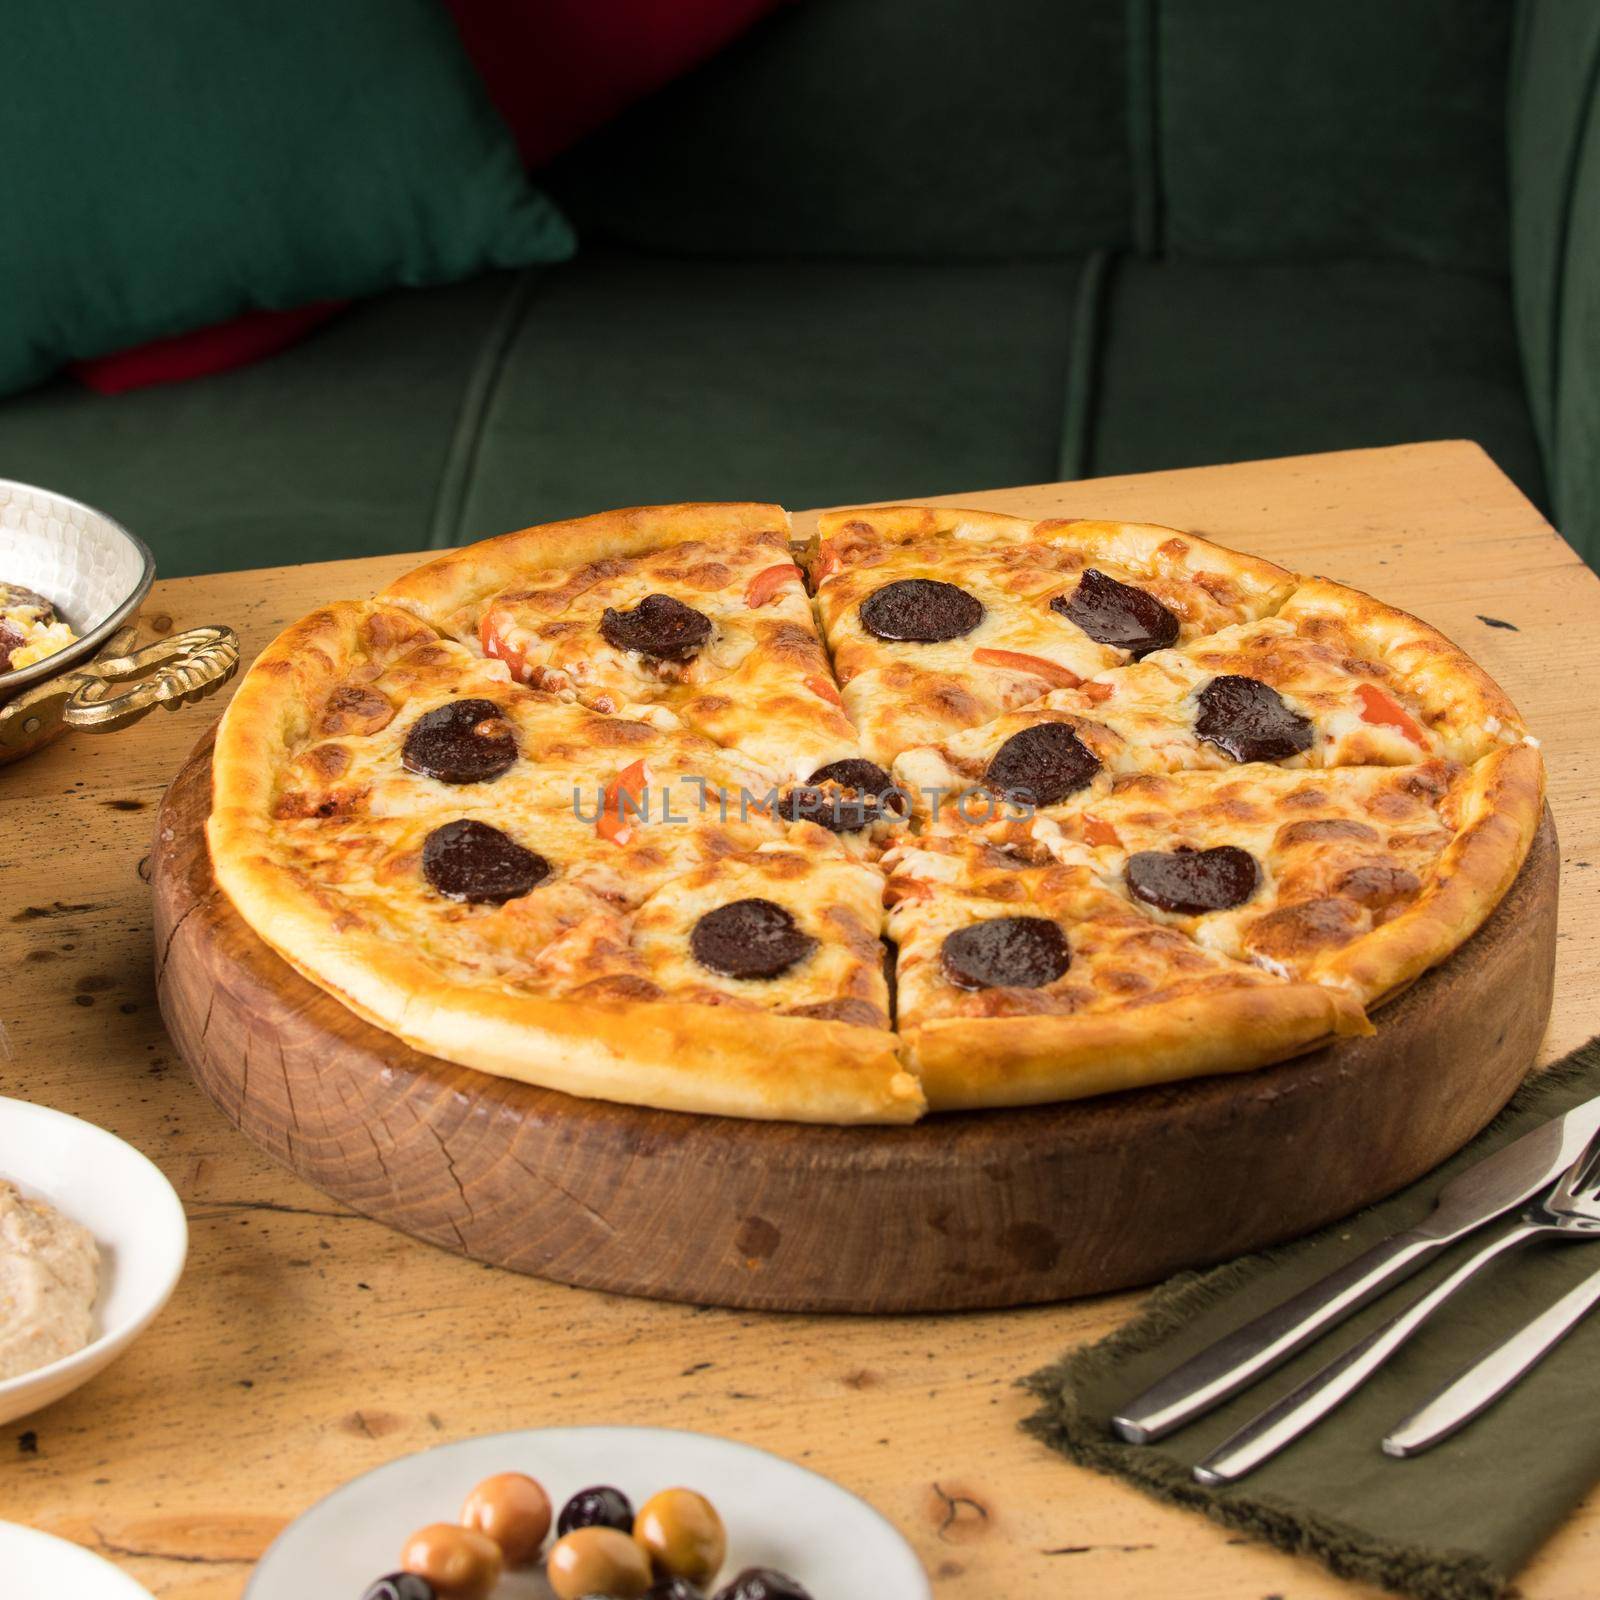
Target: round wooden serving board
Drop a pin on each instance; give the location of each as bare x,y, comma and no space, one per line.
990,1209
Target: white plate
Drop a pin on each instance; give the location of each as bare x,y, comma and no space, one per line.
38,1566
94,1178
777,1514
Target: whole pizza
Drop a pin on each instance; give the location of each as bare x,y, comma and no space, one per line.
942,809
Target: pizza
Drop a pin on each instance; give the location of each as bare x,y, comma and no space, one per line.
937,810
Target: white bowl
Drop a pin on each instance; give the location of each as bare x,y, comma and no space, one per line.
137,1220
777,1514
38,1566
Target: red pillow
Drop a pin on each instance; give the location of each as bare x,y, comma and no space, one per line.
559,69
556,69
194,355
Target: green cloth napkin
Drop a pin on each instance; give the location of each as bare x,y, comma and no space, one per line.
1452,1524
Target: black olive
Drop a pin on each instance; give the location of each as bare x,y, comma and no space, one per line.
762,1583
600,1507
401,1586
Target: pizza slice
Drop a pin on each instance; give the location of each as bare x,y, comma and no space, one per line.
940,619
1022,979
417,725
1333,679
1357,878
698,610
407,828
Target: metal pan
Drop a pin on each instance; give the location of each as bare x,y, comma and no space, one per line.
97,575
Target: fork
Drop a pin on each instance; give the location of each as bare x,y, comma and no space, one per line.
1570,1211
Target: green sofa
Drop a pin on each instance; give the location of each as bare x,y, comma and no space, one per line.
888,248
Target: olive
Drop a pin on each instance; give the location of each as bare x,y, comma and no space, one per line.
597,1560
673,1589
682,1534
514,1511
599,1507
401,1586
461,1563
762,1583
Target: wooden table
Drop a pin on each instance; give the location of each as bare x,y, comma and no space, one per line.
306,1344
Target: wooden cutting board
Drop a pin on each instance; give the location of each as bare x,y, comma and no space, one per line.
959,1211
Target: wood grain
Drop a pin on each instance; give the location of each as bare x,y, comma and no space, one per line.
1001,1208
306,1344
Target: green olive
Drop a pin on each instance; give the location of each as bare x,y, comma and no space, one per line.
514,1511
682,1534
461,1563
597,1561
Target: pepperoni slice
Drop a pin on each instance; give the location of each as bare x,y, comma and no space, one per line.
1250,721
658,626
874,795
920,611
1193,881
749,939
1117,614
1006,953
462,741
854,772
1041,765
472,861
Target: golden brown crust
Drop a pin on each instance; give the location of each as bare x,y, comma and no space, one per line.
1460,701
969,1063
466,577
278,697
1498,810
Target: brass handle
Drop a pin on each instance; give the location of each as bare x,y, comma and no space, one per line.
170,672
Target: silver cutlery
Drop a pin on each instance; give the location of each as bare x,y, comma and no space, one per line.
1570,1211
1493,1374
1486,1190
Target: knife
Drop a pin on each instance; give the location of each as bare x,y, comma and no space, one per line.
1486,1190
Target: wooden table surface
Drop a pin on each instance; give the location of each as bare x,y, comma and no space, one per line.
306,1344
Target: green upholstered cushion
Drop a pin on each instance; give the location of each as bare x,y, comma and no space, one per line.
1575,460
341,446
1348,127
644,379
170,163
1555,246
430,418
878,127
1202,362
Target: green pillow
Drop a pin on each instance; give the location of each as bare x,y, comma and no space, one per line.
171,163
